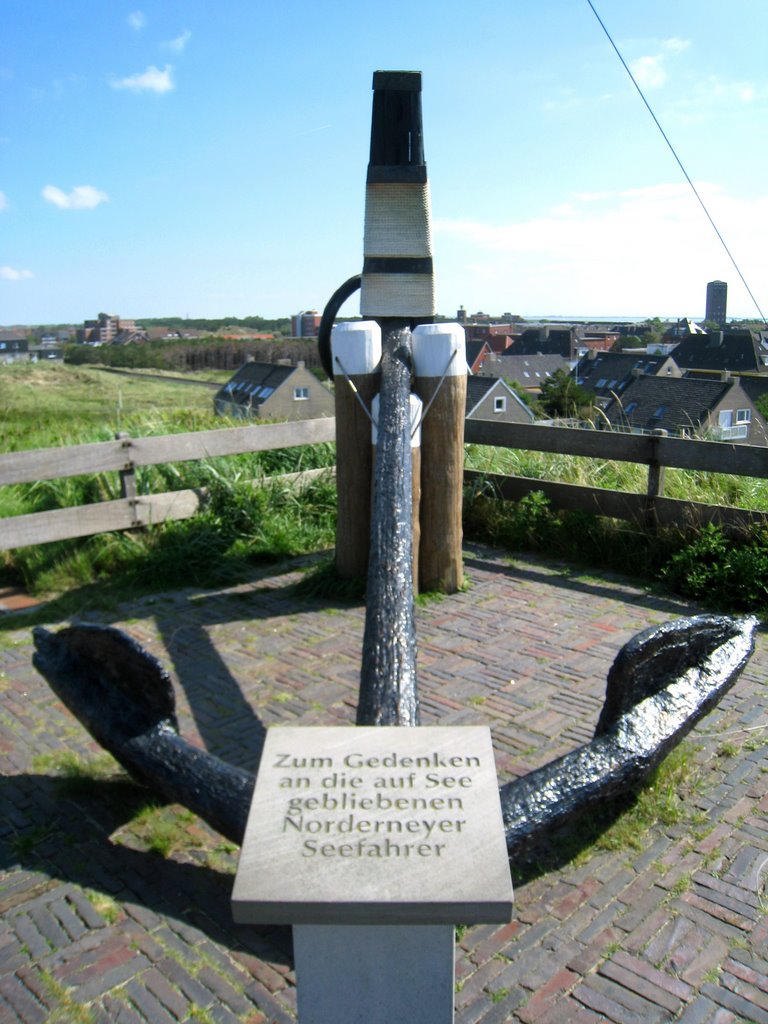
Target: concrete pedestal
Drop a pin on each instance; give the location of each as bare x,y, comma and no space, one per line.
374,974
373,843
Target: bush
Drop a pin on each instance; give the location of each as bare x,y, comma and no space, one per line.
702,564
721,572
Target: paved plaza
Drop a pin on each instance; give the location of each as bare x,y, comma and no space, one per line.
115,911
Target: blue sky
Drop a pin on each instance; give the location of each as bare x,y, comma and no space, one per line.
191,158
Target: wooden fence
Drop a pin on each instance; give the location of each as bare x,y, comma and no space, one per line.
125,454
657,451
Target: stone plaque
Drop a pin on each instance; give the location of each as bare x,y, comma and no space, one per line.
374,825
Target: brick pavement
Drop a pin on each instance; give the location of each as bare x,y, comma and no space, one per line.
98,926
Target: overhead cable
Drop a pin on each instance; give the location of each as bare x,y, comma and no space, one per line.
679,161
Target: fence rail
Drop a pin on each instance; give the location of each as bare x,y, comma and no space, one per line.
657,451
125,454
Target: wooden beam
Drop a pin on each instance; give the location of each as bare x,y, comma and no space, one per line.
622,504
127,453
673,452
103,517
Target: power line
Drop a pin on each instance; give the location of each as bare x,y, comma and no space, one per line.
679,161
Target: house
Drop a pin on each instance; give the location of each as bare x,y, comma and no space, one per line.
14,350
45,354
529,372
490,398
688,407
274,391
736,351
596,340
477,353
607,374
546,340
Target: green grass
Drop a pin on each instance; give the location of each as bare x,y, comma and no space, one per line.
51,406
663,800
75,775
25,843
163,830
241,525
689,485
624,823
48,405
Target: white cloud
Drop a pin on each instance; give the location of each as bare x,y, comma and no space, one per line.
151,80
649,71
82,197
675,45
3,201
11,274
179,42
643,251
136,20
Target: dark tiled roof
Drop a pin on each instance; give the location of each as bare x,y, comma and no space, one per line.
612,371
754,387
544,340
254,382
478,388
668,403
531,371
474,348
740,352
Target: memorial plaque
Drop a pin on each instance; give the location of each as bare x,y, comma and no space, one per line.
374,825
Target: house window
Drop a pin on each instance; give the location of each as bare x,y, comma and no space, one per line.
500,404
300,394
602,382
631,407
659,412
743,416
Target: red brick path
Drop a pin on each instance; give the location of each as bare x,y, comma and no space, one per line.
97,928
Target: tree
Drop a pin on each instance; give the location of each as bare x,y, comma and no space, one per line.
628,341
562,396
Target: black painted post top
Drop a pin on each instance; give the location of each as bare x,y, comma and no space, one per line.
397,145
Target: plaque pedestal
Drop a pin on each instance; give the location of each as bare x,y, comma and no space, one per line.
374,842
374,974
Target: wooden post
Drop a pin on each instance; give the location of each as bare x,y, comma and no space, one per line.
440,366
356,354
128,477
655,480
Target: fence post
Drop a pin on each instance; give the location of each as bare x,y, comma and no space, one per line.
655,479
128,477
356,355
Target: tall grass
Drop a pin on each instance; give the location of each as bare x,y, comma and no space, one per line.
690,485
48,406
239,523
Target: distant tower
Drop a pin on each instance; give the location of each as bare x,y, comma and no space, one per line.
717,300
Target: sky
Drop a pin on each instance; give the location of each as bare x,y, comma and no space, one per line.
203,159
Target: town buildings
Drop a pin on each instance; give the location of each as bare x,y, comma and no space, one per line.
305,324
